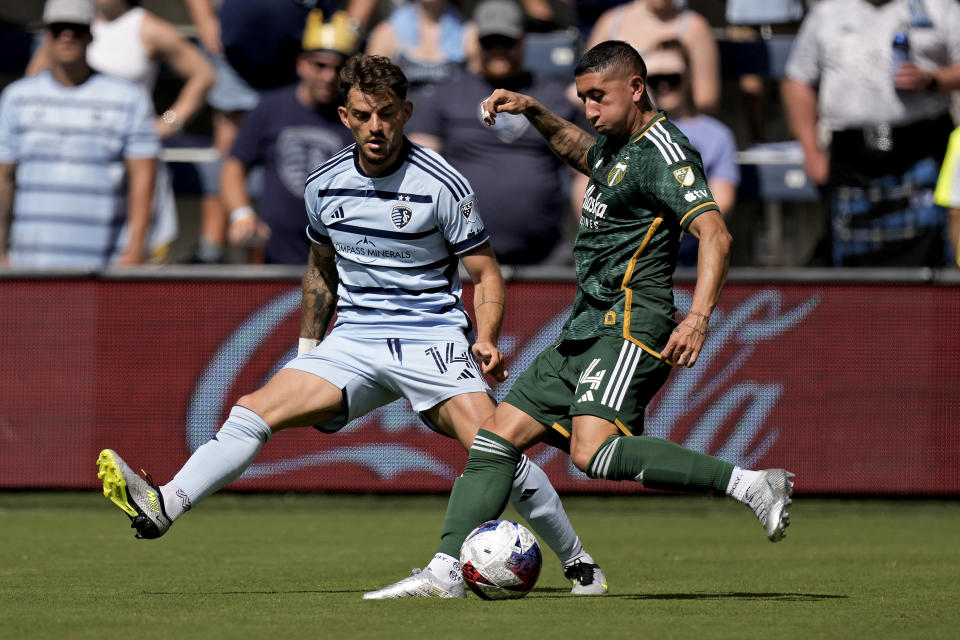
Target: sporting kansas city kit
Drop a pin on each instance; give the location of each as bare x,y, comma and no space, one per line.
641,196
401,327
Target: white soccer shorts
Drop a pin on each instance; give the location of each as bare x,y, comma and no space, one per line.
373,372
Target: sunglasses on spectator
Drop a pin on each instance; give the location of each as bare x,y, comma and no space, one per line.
494,41
320,64
672,80
78,30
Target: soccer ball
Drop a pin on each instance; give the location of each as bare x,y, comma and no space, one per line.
501,559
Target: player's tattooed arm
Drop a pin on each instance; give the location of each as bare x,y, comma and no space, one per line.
320,281
567,140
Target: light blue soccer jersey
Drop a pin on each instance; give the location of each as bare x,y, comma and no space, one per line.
398,240
69,145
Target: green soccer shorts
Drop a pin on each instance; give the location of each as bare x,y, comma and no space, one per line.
607,377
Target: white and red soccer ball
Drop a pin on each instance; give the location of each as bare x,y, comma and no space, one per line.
501,559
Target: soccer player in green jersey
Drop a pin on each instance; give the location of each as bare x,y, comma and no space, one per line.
587,393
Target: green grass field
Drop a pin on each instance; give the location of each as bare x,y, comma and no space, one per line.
295,566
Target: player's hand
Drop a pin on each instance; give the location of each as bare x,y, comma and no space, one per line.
910,77
503,101
491,362
686,341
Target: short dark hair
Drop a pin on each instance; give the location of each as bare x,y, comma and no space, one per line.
611,54
373,75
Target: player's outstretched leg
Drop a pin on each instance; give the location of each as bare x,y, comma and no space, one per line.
140,499
660,464
478,495
768,494
535,499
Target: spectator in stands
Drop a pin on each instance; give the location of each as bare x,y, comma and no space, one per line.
71,141
760,19
425,38
668,82
514,173
130,42
646,23
888,124
291,132
254,46
948,193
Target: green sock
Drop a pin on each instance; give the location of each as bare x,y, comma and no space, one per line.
481,493
659,464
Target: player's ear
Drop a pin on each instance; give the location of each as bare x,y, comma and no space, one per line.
343,116
407,111
637,86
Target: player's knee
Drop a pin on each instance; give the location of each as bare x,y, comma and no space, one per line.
581,454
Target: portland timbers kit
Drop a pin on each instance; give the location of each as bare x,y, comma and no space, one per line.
642,195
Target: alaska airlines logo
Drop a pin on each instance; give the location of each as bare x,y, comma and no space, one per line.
592,204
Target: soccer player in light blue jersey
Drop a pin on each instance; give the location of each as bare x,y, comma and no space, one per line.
389,222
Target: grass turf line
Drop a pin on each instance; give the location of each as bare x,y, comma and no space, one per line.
295,566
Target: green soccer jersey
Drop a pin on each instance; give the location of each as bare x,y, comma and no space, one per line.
641,196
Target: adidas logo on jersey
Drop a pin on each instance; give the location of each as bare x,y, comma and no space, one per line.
466,374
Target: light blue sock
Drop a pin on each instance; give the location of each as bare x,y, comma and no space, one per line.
537,501
218,462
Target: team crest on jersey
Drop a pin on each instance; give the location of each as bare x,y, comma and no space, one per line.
684,176
401,214
466,210
616,174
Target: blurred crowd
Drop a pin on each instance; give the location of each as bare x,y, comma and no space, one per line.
865,100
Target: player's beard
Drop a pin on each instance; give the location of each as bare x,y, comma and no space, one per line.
380,157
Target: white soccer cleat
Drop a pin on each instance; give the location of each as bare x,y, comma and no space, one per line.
422,584
140,499
587,579
769,496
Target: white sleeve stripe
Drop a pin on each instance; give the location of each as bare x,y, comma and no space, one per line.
660,133
659,145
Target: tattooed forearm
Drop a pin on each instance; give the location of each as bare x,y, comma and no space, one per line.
567,140
319,293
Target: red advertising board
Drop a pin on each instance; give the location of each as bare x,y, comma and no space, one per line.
852,386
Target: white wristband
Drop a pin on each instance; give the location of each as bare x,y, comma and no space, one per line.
242,213
306,345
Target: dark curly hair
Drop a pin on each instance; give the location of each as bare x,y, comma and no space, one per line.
374,75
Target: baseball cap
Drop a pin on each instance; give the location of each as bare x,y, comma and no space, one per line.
339,35
69,11
499,18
